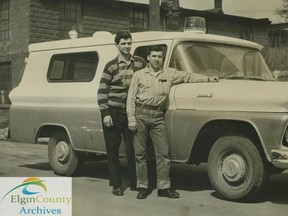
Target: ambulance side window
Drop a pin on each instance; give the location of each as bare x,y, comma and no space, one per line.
143,51
73,67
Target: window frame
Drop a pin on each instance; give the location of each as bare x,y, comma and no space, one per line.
68,8
4,20
139,20
5,80
70,60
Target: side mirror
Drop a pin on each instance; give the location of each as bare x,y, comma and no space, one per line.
276,75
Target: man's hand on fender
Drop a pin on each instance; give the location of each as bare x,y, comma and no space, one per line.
213,79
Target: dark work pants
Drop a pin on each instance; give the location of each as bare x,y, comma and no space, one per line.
113,137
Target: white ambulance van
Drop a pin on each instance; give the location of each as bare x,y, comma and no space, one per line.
237,126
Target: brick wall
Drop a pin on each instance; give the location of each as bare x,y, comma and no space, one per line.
44,21
17,46
18,29
97,16
19,20
100,17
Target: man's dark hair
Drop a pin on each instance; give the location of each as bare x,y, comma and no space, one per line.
122,35
155,48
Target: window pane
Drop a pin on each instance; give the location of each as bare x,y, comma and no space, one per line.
71,10
4,20
138,20
5,82
84,71
57,70
73,67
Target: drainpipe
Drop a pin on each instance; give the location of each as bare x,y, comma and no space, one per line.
154,15
171,20
218,4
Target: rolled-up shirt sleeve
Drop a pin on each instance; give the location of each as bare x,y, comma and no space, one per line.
131,99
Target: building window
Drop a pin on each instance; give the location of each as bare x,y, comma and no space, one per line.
73,67
70,17
138,20
4,20
5,82
71,10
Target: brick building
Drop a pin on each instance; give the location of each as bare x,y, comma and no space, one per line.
23,22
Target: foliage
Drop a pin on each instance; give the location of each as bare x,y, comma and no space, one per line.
276,58
283,12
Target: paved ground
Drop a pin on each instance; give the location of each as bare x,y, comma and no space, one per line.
92,196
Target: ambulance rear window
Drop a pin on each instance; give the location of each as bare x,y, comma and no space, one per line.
73,67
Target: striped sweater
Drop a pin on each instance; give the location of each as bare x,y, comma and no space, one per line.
115,82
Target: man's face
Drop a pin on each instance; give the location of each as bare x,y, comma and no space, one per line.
156,59
124,46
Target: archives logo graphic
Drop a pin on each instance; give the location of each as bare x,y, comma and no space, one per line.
36,196
26,183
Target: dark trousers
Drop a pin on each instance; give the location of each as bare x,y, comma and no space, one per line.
113,138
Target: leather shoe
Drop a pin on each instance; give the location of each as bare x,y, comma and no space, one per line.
169,193
117,191
142,193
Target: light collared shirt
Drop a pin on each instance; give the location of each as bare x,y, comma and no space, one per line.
152,88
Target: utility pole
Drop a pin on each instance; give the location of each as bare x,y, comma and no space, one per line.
154,15
172,13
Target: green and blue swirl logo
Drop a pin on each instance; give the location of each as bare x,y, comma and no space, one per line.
26,185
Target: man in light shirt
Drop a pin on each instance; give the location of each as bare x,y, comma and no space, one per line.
148,92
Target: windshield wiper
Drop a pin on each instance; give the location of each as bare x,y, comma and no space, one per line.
232,77
259,78
237,77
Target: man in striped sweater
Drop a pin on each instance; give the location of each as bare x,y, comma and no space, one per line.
112,95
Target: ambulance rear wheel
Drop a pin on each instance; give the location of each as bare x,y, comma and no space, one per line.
62,157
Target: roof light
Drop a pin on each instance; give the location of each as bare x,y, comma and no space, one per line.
195,24
73,34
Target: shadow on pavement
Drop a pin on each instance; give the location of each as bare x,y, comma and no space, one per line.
277,190
38,166
191,178
183,177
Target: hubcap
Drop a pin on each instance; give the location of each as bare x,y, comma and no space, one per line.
233,168
62,151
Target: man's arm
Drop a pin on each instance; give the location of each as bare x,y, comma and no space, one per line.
131,103
104,85
184,76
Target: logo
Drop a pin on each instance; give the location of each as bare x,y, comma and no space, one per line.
35,196
26,183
